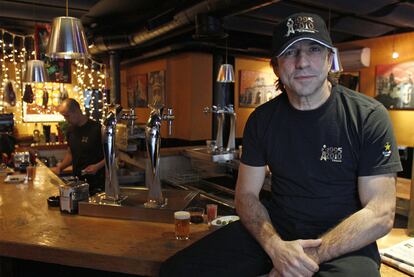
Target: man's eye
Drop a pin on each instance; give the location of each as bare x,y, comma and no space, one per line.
315,49
291,53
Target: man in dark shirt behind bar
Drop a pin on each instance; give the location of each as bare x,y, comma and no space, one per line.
85,151
333,159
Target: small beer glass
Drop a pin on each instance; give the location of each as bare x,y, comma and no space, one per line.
182,225
211,212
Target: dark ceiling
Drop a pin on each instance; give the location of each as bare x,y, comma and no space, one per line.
147,28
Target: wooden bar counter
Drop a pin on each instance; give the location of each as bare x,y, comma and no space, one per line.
31,230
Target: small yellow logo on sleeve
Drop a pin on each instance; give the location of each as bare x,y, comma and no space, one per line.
387,150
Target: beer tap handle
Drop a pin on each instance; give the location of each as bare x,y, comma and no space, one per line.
169,117
231,143
219,137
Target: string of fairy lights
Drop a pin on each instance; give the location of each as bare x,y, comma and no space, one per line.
89,83
12,61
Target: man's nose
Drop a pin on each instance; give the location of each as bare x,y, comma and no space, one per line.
302,60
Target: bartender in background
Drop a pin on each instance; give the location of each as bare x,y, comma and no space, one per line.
85,151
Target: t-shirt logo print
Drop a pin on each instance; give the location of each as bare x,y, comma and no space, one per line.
387,150
84,140
332,153
300,24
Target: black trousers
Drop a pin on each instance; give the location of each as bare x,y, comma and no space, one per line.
232,251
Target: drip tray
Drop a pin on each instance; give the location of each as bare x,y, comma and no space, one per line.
133,206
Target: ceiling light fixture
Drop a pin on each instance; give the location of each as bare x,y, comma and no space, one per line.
394,54
67,40
226,72
35,72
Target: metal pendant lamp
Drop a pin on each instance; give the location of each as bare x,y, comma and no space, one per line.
226,72
35,72
68,40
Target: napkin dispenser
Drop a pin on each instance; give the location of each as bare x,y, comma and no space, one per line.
70,195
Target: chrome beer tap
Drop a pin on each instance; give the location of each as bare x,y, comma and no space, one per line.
153,141
130,118
220,121
231,143
109,139
169,117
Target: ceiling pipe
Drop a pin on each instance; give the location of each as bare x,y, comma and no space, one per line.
191,46
184,18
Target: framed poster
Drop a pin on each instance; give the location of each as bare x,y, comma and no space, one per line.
156,87
45,102
256,88
395,85
58,70
137,91
41,37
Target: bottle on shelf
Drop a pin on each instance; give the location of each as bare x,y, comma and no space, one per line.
36,134
42,138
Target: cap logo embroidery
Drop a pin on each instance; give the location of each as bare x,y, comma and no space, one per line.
300,24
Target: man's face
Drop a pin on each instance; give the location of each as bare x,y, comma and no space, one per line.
303,67
69,116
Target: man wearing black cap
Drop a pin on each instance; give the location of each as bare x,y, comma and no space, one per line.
333,159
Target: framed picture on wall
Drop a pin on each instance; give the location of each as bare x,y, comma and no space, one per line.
137,91
58,70
256,88
156,87
45,102
41,38
395,85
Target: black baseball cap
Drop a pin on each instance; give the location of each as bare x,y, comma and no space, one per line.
298,27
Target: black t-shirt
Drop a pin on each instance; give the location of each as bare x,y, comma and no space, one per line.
85,143
316,157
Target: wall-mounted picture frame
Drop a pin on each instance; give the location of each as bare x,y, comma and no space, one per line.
45,102
41,39
156,87
58,70
256,88
395,85
137,91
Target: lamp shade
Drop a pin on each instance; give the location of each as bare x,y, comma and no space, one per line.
68,40
35,72
226,74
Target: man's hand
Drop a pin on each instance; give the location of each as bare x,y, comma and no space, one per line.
290,258
56,170
91,169
312,252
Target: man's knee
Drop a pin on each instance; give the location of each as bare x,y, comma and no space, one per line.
349,266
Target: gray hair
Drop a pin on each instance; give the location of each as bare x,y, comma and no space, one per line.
72,104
